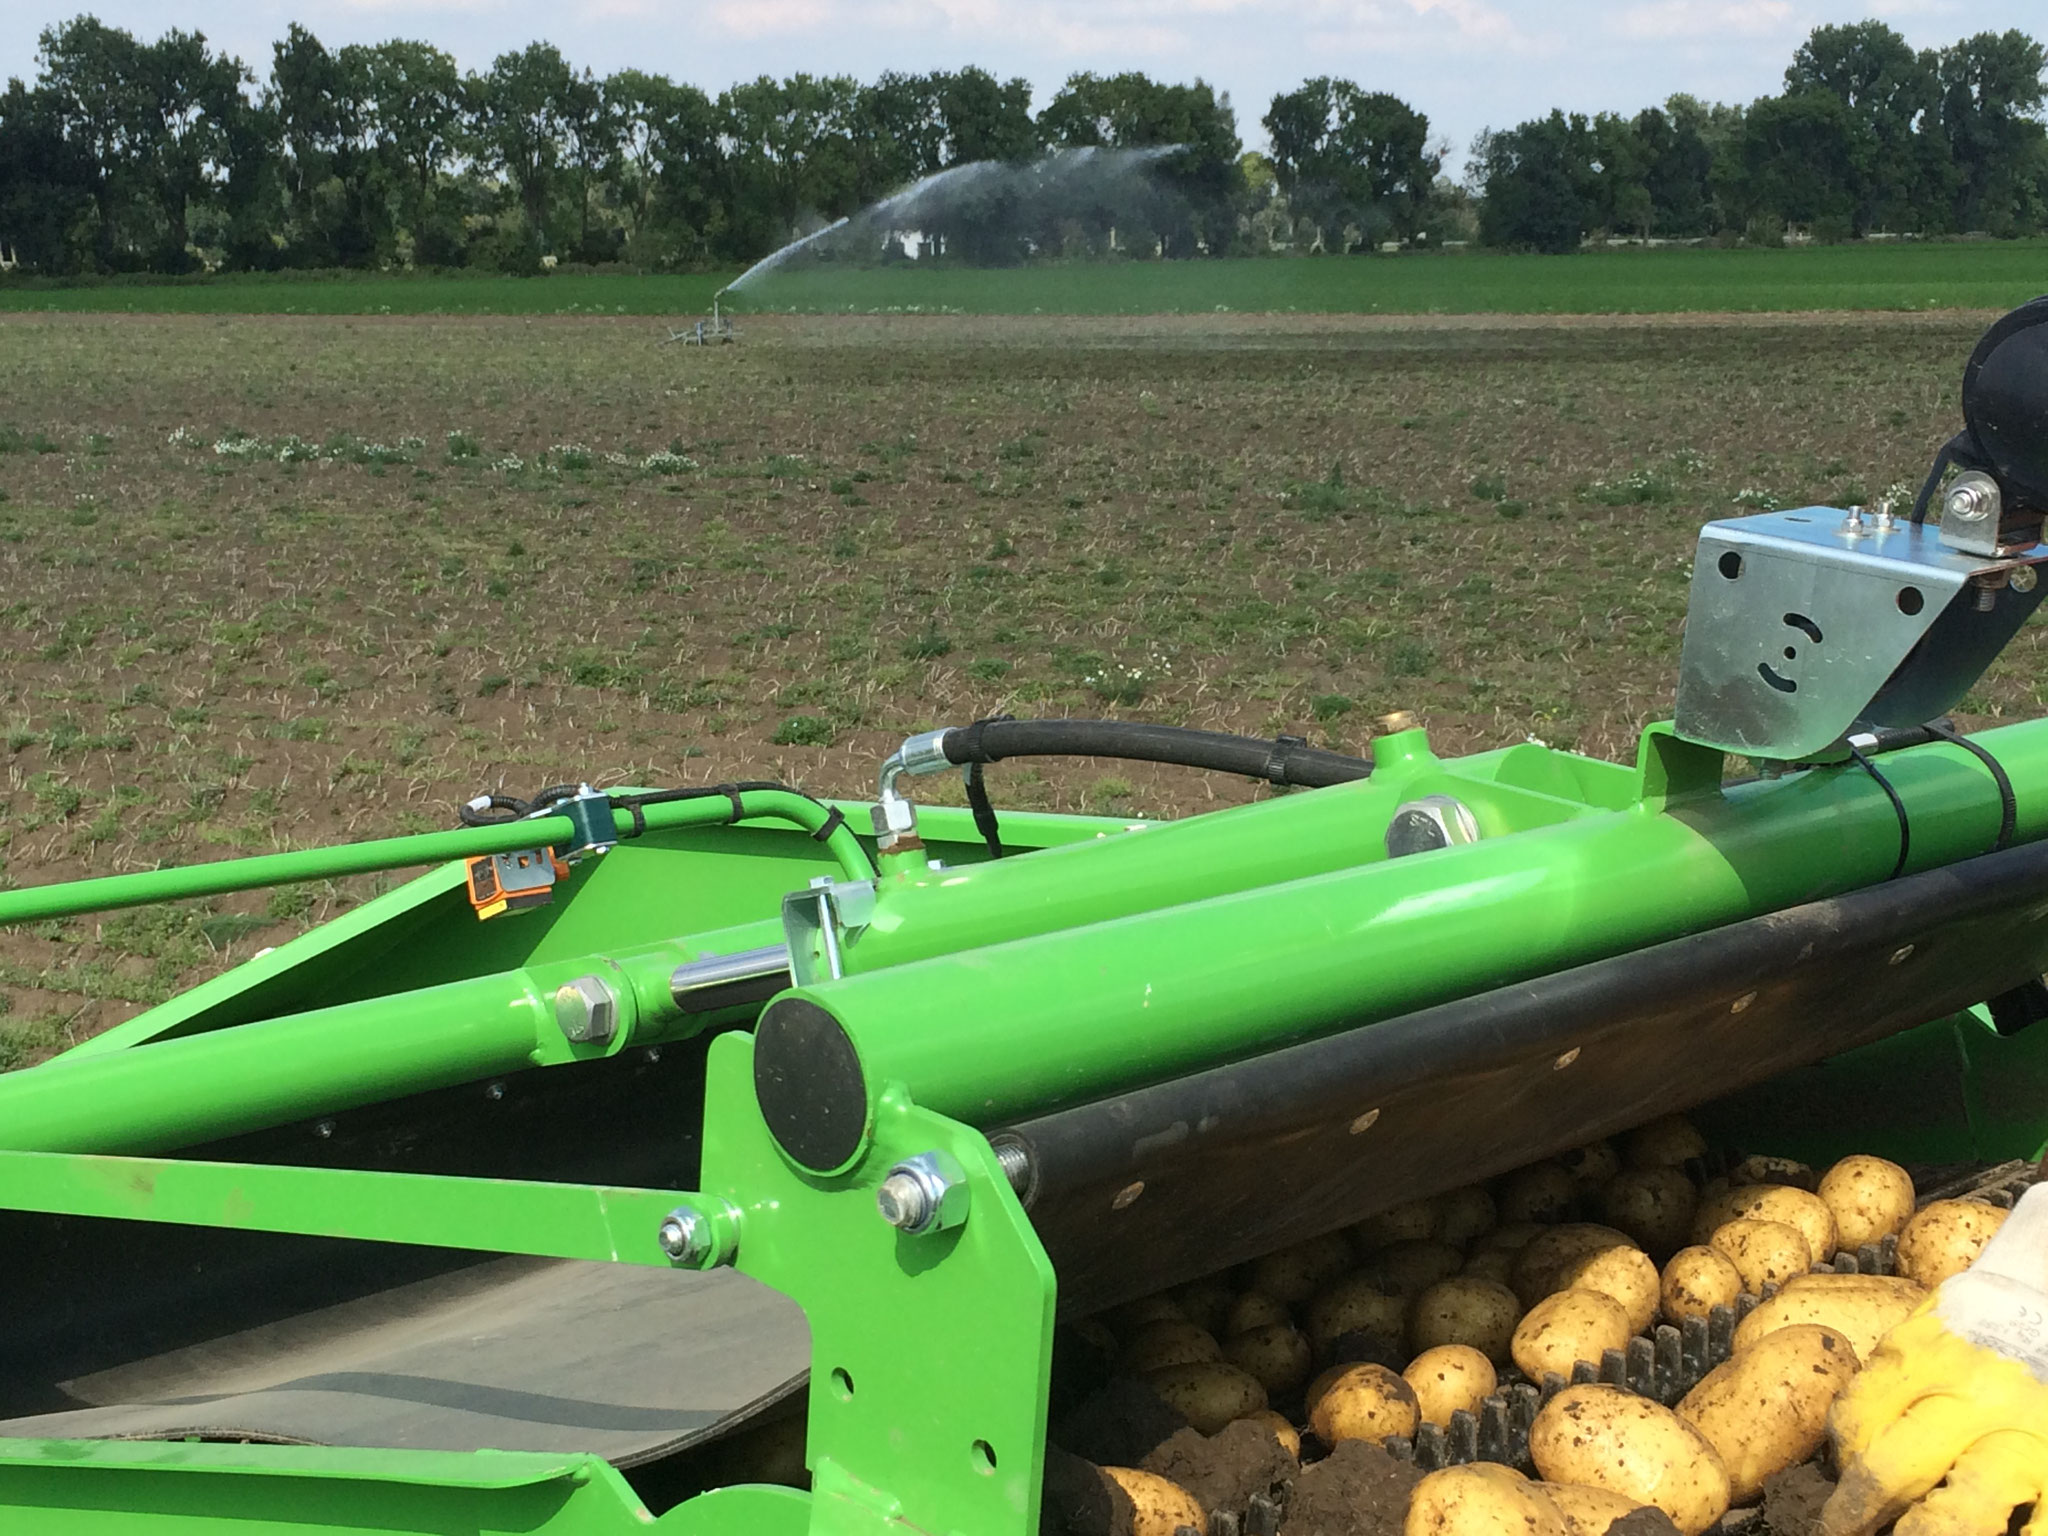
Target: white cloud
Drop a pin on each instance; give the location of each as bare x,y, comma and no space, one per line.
1667,19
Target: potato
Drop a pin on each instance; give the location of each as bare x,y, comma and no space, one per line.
1862,1308
1591,1165
1208,1393
1254,1309
1757,1169
1295,1273
1546,1255
1696,1281
1667,1143
1480,1314
1766,1409
1945,1238
1478,1501
1448,1378
1363,1402
1654,1206
1763,1252
1412,1221
1796,1208
1495,1264
1133,1315
1512,1236
1276,1424
1355,1305
1158,1345
1870,1199
1207,1303
1464,1215
1565,1328
1539,1192
1588,1511
1607,1437
1626,1274
1160,1507
1277,1355
1409,1268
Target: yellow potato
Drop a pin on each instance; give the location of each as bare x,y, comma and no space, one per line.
1763,1252
1563,1329
1654,1206
1945,1238
1862,1308
1207,1303
1209,1393
1696,1281
1796,1208
1254,1309
1607,1437
1448,1378
1588,1511
1158,1345
1511,1236
1667,1143
1363,1402
1480,1314
1276,1424
1479,1501
1159,1507
1409,1268
1547,1255
1591,1165
1355,1305
1464,1215
1757,1169
1133,1315
1539,1192
1870,1199
1295,1273
1412,1221
1626,1274
1495,1264
1766,1409
1277,1355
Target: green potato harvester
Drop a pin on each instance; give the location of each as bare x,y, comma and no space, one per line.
744,1110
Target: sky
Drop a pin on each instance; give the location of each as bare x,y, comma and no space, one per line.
1467,64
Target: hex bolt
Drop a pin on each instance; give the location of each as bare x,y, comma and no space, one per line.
586,1010
925,1193
684,1236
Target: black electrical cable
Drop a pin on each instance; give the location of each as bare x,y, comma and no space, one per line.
984,811
2008,808
1898,806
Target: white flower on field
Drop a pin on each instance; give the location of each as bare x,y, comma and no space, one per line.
619,459
510,464
294,449
1754,496
238,446
667,463
184,437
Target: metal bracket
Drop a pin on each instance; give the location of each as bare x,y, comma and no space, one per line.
1802,624
819,922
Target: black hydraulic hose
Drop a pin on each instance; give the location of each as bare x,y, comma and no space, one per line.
1286,760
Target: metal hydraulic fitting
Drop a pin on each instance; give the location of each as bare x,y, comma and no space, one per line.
894,816
1434,821
925,1193
587,1010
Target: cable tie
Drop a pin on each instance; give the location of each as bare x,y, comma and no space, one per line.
834,820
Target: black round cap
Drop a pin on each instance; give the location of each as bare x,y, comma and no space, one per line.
809,1084
2005,401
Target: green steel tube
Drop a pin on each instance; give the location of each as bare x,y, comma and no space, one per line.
177,1093
113,891
1055,1019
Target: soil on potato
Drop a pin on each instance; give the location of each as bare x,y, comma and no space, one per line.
1644,1522
1356,1490
277,581
1793,1500
1223,1471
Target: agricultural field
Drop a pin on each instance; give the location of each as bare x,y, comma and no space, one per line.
1982,275
273,581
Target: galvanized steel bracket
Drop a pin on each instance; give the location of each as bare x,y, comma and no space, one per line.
1802,624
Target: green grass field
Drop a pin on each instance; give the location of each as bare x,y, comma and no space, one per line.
1865,277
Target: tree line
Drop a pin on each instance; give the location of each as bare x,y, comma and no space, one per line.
126,155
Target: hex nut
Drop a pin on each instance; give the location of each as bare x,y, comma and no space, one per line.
586,1010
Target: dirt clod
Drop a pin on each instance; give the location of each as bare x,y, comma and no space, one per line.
1793,1499
1224,1470
1080,1501
1643,1522
1357,1490
1118,1426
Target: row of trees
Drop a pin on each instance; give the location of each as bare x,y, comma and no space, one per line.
127,155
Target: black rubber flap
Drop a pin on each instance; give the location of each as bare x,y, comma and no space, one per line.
1158,1186
809,1084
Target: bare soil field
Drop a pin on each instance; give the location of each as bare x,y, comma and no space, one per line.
271,581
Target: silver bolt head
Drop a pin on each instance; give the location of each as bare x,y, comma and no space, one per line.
586,1010
903,1202
925,1193
1434,821
1972,499
682,1236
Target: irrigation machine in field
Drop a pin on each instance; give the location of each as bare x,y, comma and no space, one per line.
751,1126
